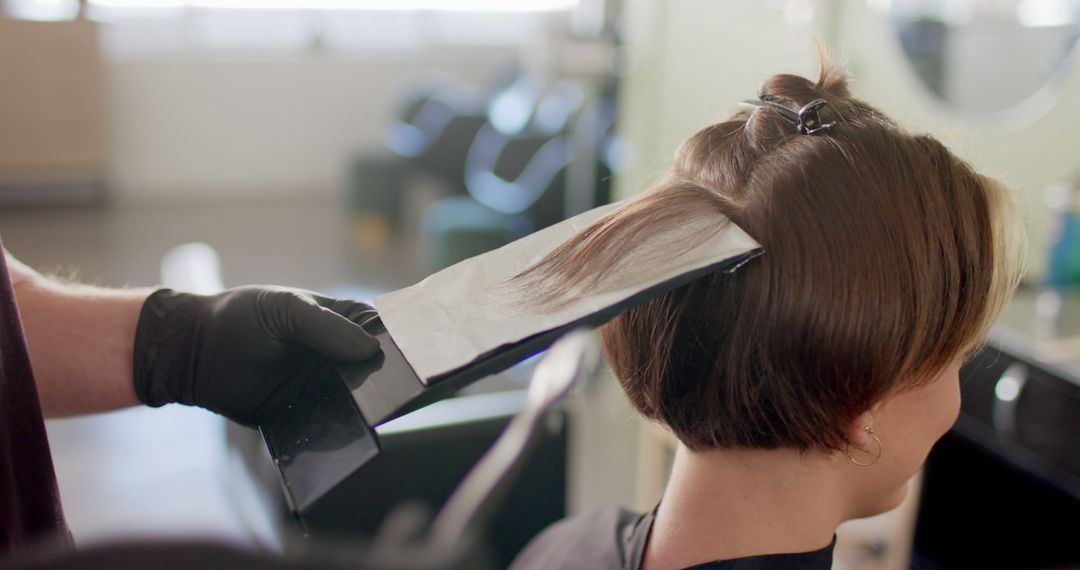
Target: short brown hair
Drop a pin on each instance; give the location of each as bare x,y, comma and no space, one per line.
886,257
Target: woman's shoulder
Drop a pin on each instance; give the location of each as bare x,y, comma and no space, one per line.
614,538
611,537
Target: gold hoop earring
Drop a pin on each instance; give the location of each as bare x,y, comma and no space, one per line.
870,431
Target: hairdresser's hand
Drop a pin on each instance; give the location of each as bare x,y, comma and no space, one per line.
246,353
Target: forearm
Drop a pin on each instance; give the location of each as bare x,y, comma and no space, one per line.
247,353
80,340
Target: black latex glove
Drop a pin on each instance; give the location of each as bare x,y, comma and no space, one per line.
246,353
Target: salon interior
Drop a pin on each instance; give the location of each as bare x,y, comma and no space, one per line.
354,147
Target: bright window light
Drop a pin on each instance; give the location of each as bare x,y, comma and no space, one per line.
42,9
1046,13
386,5
147,4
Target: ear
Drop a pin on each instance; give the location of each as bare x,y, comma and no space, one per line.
857,434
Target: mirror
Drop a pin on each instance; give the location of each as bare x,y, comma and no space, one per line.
985,55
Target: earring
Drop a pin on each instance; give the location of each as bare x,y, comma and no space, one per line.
869,431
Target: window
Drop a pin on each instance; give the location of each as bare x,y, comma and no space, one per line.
138,28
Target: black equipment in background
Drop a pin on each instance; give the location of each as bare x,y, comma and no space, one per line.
1002,489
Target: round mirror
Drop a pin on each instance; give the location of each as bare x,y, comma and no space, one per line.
985,55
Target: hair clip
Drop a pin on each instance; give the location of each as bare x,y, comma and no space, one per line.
807,121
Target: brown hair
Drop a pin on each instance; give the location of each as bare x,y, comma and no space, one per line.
886,257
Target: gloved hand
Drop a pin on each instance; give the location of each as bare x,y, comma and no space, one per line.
246,353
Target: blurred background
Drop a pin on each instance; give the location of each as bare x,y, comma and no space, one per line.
356,146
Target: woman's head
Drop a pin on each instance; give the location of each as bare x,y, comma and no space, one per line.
886,260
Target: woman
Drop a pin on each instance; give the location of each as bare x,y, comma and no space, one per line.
807,387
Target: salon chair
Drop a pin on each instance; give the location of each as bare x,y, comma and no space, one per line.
416,122
421,459
435,130
436,123
515,173
457,228
524,174
516,186
437,126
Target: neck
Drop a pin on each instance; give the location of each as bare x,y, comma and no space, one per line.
731,503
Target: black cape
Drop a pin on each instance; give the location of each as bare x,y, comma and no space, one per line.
614,538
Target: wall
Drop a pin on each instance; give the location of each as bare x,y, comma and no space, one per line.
199,127
690,62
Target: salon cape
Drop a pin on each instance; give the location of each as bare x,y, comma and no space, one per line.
614,538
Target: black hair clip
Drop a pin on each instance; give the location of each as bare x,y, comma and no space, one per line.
807,121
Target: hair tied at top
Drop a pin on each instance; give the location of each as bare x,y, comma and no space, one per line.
807,120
